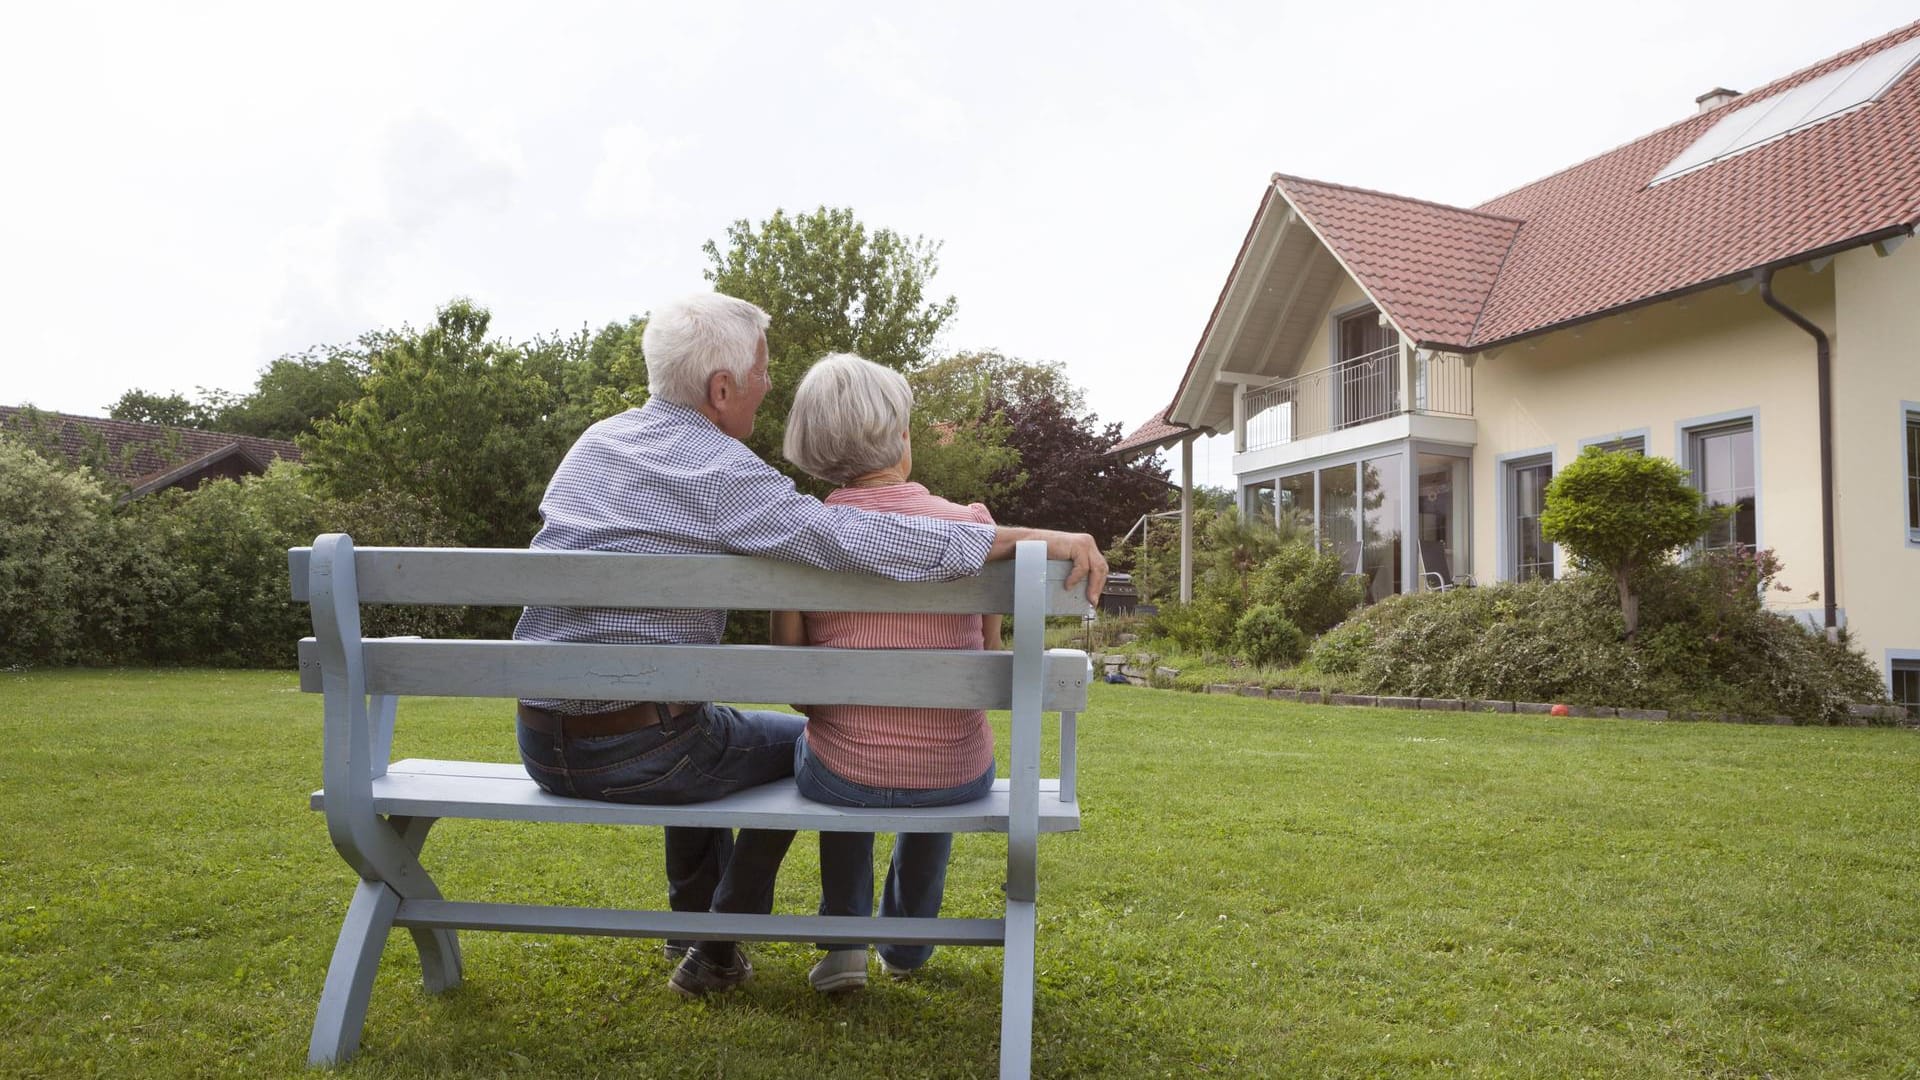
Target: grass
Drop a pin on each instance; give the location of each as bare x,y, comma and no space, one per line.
1260,890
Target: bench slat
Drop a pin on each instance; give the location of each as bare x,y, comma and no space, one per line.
930,678
503,792
512,577
698,925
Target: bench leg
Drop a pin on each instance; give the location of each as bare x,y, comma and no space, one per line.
356,957
1016,993
440,968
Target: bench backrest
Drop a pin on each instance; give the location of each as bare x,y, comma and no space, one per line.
447,576
360,678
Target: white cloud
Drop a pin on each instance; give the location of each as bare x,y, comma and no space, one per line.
623,187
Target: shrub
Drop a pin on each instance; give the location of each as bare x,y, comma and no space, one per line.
1265,636
1620,513
1310,587
56,531
1708,643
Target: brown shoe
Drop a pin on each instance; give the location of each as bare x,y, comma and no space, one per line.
697,976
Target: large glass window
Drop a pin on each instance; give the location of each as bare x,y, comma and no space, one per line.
1380,501
1906,686
1527,497
1296,499
1443,507
1723,470
1913,476
1259,501
1340,514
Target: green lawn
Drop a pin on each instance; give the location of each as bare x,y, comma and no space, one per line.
1260,890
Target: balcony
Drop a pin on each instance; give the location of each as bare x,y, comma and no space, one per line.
1361,390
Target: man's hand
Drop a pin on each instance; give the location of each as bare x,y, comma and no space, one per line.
1079,548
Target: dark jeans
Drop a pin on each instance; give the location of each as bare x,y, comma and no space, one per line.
917,876
710,751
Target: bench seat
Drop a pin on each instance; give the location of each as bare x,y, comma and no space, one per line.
424,787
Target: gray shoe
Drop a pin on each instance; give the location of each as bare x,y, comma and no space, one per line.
697,976
895,972
674,950
840,970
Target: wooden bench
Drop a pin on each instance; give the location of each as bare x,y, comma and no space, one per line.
379,812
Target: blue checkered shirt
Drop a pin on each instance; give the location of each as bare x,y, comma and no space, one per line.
663,480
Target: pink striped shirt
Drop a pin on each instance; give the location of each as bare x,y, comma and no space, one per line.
894,747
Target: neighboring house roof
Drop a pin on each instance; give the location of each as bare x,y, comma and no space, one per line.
145,457
1599,236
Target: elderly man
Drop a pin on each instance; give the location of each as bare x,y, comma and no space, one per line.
673,477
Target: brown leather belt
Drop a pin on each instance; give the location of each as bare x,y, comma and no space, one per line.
636,717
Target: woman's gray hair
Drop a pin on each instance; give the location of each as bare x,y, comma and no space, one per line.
690,339
847,419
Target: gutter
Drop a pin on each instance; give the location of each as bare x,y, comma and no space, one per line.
1823,354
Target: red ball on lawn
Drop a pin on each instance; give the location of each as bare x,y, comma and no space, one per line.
1560,710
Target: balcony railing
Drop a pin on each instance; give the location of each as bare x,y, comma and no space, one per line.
1357,391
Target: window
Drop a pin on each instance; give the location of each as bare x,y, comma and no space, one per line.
1442,508
1906,686
1722,460
1296,499
1367,369
1635,444
1913,475
1259,501
1526,498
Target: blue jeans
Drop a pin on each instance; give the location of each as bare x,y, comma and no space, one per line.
710,751
916,879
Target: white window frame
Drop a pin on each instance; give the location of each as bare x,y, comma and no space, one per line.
1504,466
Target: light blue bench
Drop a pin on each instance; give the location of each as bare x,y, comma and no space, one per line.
379,812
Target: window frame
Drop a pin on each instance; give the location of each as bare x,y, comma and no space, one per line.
1683,442
1910,472
1505,466
1644,435
1898,661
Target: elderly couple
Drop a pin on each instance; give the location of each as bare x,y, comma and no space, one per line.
673,477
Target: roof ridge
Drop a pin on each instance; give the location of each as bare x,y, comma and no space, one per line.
1480,313
1400,198
1759,93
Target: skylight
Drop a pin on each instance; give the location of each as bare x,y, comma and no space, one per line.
1857,85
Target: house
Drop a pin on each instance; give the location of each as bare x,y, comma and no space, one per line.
144,457
1734,291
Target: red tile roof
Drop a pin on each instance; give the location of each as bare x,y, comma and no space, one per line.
1150,434
1596,237
1431,266
138,455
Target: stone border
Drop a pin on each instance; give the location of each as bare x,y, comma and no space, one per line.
1133,669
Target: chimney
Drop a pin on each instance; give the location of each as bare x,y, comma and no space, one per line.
1715,98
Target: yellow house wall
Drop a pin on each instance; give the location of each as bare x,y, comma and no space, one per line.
1656,369
1876,367
1319,351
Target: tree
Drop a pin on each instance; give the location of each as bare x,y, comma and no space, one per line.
146,407
1062,478
298,390
459,420
1619,513
830,285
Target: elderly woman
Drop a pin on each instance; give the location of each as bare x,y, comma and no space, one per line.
849,427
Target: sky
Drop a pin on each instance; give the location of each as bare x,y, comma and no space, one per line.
193,190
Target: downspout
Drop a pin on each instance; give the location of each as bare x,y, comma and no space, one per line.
1823,352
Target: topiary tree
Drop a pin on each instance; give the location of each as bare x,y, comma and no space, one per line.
1618,513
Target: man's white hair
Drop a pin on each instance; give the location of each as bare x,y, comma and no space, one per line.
689,340
847,419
